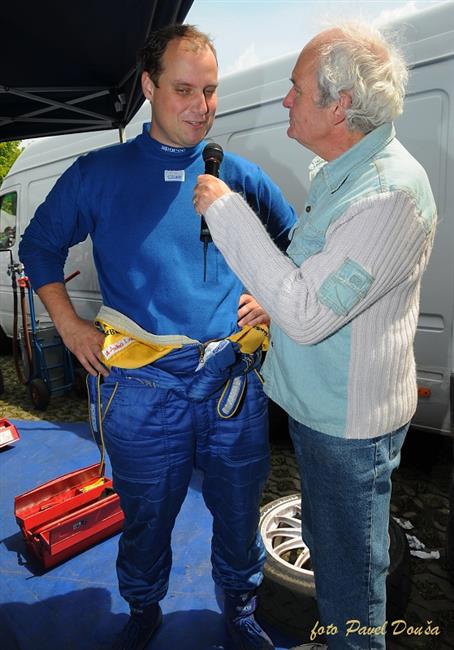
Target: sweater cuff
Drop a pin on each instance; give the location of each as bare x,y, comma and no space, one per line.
222,213
216,209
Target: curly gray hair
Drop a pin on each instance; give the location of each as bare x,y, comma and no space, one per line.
361,62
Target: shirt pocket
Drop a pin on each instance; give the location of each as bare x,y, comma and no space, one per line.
344,288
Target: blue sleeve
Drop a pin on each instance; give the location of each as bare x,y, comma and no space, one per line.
59,223
266,199
273,209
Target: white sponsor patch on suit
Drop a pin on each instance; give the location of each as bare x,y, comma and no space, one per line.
174,175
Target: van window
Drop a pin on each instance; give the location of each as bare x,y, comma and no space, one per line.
8,212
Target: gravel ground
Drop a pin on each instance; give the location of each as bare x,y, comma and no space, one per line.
420,496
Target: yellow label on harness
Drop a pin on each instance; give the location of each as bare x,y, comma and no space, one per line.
124,351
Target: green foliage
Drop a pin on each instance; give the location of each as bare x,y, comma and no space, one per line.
9,151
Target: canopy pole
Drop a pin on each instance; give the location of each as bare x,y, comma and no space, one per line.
121,134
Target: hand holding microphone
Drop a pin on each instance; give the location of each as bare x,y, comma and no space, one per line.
212,155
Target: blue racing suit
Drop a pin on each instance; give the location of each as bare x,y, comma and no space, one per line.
134,200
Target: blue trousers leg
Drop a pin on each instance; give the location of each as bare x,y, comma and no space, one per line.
149,438
345,498
234,455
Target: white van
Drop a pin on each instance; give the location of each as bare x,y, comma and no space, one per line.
252,122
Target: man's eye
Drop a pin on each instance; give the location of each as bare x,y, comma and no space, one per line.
183,91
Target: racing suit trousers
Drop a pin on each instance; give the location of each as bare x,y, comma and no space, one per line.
155,437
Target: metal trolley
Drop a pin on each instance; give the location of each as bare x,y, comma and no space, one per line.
47,363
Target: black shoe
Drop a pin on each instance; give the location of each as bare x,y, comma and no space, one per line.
139,629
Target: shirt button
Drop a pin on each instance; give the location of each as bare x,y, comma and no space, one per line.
308,208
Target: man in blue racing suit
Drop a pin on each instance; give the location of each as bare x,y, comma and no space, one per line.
177,341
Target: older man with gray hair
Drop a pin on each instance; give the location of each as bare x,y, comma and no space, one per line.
344,305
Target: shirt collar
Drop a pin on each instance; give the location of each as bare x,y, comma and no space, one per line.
337,171
153,147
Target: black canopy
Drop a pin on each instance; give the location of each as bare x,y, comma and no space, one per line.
70,66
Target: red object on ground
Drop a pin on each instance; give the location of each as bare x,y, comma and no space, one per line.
8,433
68,514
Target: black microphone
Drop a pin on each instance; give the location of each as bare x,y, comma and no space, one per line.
212,155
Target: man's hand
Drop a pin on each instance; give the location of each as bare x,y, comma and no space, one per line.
250,312
208,189
80,336
85,341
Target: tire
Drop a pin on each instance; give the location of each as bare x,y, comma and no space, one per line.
287,594
39,394
5,343
291,612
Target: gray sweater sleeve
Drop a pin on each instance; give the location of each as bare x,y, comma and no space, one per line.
381,234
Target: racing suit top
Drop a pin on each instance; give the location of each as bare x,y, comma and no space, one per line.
135,201
344,303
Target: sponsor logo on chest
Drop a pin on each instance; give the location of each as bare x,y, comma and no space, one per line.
174,175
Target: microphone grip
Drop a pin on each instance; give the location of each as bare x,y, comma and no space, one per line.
212,167
204,232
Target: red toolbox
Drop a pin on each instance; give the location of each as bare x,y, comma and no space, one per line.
68,514
8,433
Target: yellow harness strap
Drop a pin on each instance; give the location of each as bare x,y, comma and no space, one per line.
122,350
251,339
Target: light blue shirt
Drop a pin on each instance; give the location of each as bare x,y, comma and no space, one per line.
315,382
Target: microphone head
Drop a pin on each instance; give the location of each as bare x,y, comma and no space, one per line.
213,151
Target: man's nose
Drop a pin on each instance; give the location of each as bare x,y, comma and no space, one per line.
288,99
201,103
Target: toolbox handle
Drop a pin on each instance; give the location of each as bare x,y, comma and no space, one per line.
72,275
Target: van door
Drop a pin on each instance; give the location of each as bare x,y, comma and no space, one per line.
424,129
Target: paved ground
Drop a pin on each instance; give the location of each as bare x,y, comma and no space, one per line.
420,495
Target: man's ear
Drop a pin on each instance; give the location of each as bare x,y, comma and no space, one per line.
340,107
147,86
